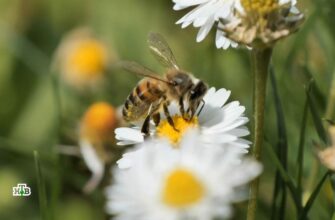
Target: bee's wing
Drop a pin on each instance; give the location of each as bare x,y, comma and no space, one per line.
161,50
138,69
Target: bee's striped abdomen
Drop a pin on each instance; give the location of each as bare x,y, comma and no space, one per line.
139,100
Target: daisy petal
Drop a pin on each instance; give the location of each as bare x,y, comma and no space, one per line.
129,134
204,30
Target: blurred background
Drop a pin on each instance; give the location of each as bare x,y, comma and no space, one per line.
41,108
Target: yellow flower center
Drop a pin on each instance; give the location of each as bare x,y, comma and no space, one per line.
259,10
164,129
260,7
99,121
182,189
88,58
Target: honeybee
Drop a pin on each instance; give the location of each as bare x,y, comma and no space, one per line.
155,93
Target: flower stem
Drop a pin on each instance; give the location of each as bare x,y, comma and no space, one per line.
260,63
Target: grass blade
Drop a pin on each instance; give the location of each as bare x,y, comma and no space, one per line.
281,147
313,197
315,92
57,178
286,177
276,191
300,158
316,116
41,189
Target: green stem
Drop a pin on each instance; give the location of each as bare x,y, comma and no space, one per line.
260,61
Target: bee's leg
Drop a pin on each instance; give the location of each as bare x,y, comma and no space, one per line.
146,126
181,107
203,104
157,118
189,113
168,116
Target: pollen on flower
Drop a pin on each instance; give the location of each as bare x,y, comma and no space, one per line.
164,129
182,189
99,121
259,6
88,58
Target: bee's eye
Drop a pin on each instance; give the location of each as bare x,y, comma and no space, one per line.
177,81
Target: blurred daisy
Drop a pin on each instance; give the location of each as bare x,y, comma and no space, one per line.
81,58
96,134
191,183
260,23
205,15
219,122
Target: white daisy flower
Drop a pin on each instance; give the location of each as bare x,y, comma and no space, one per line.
240,22
95,135
219,122
94,164
205,15
256,24
194,182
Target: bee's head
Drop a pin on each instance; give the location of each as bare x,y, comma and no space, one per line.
195,96
197,91
181,82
